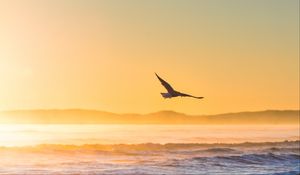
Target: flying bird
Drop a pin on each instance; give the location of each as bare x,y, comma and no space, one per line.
171,92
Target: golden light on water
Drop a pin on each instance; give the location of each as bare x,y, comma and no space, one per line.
26,135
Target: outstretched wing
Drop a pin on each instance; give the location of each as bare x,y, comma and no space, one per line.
187,95
165,84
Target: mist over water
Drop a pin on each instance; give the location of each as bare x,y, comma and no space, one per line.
23,134
149,149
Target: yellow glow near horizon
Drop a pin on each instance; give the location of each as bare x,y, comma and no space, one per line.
103,54
30,135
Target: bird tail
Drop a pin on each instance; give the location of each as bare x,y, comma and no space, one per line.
166,95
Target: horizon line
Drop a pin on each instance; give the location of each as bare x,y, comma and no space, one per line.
125,113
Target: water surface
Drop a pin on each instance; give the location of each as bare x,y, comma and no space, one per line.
149,149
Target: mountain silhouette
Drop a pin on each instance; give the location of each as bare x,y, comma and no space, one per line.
80,116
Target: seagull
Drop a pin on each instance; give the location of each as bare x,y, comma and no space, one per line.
171,92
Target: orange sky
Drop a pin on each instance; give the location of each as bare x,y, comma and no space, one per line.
239,55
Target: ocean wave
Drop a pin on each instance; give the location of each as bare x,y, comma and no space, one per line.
267,163
221,150
295,150
259,159
149,158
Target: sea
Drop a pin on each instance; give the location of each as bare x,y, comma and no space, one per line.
149,149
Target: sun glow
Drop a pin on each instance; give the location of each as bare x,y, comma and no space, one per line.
103,55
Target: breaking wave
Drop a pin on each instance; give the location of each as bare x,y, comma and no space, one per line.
276,158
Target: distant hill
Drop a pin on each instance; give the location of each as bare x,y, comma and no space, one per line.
79,116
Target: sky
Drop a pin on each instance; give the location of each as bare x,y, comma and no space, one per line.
239,55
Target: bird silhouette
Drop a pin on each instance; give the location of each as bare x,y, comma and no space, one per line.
171,92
